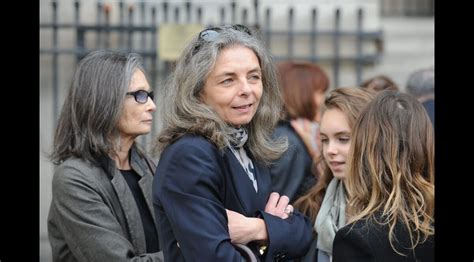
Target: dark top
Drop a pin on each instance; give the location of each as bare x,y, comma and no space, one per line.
430,109
292,172
151,236
194,184
369,242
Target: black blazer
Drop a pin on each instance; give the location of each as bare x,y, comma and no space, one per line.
369,242
291,173
194,183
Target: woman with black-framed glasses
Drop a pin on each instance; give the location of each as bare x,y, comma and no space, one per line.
212,188
101,207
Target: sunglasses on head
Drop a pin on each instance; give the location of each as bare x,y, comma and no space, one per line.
141,96
211,34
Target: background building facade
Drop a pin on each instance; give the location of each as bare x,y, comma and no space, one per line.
351,39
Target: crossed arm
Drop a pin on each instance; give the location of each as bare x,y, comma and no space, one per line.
188,193
244,229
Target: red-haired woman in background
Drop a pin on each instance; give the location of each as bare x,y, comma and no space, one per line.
303,87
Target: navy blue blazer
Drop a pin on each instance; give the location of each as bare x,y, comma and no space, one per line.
194,183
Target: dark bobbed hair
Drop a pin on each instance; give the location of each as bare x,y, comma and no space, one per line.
379,83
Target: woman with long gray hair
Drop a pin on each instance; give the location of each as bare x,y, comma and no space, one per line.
101,206
212,187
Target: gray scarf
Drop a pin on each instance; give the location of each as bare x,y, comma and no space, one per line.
240,136
331,216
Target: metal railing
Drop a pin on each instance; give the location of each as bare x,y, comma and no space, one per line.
122,35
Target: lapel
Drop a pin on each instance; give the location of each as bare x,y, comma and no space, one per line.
250,201
127,201
132,215
146,180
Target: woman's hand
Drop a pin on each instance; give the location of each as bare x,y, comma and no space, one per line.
278,206
244,229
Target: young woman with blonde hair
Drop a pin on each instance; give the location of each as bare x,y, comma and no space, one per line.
390,184
325,202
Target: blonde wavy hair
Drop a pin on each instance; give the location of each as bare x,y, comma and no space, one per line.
391,168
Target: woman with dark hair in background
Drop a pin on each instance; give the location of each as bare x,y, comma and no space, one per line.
304,85
379,83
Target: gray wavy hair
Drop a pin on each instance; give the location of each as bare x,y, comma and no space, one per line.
183,112
421,83
87,125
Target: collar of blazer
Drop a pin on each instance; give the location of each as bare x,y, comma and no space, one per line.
137,162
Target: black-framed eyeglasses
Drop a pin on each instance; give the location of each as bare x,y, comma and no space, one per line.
141,96
211,34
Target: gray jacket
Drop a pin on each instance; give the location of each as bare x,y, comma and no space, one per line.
93,215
